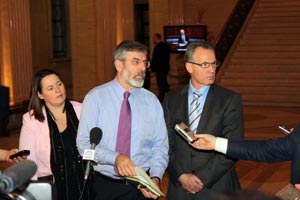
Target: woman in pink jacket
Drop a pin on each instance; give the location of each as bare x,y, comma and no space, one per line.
49,132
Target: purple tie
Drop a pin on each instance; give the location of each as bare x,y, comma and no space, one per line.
124,129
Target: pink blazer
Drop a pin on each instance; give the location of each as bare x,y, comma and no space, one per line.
34,136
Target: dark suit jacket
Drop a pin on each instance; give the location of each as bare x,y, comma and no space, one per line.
272,150
160,58
222,115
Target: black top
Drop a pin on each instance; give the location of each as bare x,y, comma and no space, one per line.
66,163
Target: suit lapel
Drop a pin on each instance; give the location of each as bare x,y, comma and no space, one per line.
184,108
208,104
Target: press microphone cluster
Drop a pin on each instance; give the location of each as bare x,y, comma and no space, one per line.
16,175
89,154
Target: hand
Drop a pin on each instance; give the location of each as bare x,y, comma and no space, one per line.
155,180
191,183
146,193
204,142
124,165
11,152
297,186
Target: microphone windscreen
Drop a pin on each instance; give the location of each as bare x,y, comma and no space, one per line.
20,173
95,135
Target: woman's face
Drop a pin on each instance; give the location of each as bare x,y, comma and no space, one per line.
53,91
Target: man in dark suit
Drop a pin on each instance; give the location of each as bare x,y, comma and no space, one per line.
271,150
160,64
197,174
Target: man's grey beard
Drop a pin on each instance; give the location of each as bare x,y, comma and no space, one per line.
132,81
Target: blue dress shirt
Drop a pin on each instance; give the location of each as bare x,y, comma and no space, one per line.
149,139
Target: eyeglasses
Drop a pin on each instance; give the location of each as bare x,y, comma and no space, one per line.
137,62
206,64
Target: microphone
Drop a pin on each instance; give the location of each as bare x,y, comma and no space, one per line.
89,154
16,175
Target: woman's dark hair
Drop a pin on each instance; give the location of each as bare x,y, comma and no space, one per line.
36,104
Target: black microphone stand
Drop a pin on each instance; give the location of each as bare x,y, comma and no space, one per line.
88,179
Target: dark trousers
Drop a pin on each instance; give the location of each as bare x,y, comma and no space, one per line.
106,188
163,86
147,81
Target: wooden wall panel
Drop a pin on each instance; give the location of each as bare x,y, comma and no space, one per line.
214,14
124,12
176,12
6,69
96,28
16,48
106,40
21,49
158,16
40,33
83,25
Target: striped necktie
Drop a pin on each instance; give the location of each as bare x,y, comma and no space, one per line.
194,114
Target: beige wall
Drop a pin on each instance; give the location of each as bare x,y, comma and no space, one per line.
96,27
213,13
40,33
16,62
41,36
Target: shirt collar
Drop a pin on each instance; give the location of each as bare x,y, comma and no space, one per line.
202,91
120,90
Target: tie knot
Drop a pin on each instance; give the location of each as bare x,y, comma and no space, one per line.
126,94
196,95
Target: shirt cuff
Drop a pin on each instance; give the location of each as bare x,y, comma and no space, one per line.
221,145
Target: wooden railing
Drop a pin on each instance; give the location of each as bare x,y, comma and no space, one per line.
231,28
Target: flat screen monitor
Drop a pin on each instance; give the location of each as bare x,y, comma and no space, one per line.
178,37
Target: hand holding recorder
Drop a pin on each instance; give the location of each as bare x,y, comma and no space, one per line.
185,132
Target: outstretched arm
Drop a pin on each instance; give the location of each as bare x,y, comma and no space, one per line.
272,150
